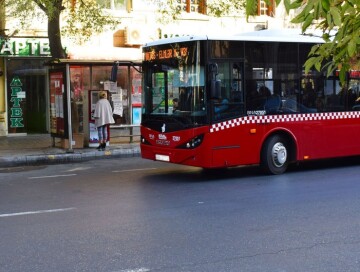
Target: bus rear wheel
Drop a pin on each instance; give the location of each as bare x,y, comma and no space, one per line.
275,155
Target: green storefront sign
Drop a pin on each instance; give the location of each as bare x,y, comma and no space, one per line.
17,95
24,47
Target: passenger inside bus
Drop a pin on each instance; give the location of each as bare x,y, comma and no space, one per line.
264,92
272,104
175,104
252,99
185,99
185,93
221,104
356,107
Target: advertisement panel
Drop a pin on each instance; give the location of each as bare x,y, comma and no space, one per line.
58,109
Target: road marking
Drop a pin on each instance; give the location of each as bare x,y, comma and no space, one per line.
133,170
55,176
36,212
143,269
78,169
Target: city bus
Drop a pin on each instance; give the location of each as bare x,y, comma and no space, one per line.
219,102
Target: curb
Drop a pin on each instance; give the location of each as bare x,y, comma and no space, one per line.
38,159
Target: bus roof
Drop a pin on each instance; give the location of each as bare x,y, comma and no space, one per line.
268,35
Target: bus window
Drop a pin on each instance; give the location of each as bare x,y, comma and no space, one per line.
230,102
158,93
338,98
354,85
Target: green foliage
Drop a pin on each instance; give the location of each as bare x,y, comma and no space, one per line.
87,18
225,7
21,12
339,22
251,7
79,23
169,10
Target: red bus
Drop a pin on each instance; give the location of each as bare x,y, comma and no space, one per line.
216,102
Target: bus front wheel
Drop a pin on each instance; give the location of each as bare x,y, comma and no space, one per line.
275,155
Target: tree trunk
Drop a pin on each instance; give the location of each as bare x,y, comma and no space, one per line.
56,48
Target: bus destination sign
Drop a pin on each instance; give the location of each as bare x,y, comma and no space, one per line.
158,54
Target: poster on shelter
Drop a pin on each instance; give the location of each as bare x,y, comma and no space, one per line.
117,102
57,105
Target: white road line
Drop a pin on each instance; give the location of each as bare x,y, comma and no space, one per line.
143,269
78,169
55,176
133,170
36,212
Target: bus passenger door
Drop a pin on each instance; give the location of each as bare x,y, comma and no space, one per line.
229,106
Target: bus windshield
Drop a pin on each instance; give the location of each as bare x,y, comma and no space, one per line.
174,83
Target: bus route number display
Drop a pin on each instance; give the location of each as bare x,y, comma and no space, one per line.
158,54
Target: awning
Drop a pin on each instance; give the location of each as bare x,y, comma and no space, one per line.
105,53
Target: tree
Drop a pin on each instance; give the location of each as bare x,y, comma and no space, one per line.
80,18
169,8
339,23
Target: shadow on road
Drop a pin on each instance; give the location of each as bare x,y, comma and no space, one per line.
326,164
184,174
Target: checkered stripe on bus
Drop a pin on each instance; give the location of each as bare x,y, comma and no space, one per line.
262,119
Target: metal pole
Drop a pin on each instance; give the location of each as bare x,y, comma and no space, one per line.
130,102
68,98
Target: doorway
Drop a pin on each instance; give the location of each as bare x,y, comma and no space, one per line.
26,96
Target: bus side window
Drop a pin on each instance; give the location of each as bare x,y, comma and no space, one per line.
272,104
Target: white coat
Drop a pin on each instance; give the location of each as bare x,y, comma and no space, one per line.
103,113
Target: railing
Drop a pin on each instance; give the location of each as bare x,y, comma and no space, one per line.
131,134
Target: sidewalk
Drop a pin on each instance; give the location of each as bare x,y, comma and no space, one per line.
34,149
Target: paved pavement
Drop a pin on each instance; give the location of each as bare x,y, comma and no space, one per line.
35,149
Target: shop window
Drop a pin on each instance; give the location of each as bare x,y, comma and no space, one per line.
197,6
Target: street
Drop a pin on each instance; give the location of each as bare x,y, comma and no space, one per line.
134,215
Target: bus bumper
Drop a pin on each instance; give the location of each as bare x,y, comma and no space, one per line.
191,157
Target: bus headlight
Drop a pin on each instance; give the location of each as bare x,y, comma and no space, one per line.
144,141
193,143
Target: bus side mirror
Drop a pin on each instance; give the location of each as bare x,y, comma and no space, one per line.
215,88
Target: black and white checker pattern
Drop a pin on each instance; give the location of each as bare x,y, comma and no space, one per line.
262,119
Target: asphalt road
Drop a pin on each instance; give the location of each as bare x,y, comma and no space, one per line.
133,215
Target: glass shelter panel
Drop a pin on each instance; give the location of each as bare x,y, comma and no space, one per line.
79,85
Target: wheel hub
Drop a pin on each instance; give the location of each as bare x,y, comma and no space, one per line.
279,154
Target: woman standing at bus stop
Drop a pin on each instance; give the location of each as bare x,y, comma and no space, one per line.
103,116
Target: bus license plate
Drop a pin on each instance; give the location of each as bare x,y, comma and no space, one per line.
162,158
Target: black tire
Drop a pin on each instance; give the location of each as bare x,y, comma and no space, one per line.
275,155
